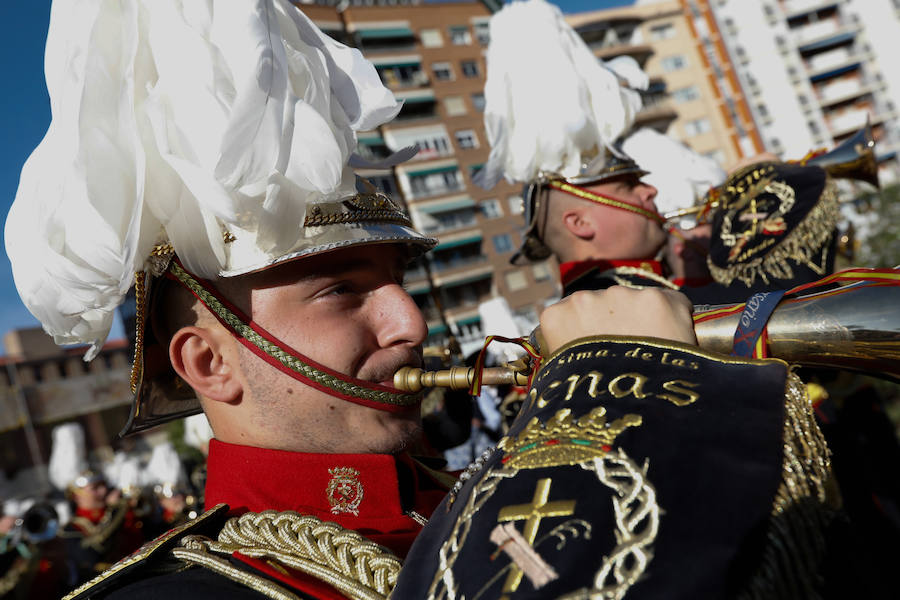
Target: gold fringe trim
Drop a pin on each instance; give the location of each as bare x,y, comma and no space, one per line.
355,566
805,503
800,246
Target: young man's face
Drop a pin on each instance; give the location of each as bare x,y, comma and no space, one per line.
621,234
348,311
92,496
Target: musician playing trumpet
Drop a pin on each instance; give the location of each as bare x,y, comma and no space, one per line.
638,463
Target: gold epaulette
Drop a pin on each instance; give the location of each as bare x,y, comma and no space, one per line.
324,550
210,520
342,558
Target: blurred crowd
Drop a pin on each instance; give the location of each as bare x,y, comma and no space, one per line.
97,513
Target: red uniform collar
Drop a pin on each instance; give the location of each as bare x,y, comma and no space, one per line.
94,515
570,271
327,486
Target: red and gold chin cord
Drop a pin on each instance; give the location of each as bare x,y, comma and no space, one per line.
284,358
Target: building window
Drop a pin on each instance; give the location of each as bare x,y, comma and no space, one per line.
674,63
403,76
813,127
516,205
473,170
433,147
433,184
443,71
467,139
482,32
763,111
490,208
431,38
478,102
662,32
469,68
455,106
515,280
460,36
697,126
384,183
686,94
541,272
502,243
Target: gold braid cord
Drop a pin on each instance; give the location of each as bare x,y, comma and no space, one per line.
353,565
291,362
637,523
619,274
805,503
800,246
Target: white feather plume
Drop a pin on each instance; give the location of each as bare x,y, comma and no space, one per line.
164,466
68,455
549,102
680,175
171,120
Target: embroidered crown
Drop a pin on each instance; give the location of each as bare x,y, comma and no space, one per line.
564,440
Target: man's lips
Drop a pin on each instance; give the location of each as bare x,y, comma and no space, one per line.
385,376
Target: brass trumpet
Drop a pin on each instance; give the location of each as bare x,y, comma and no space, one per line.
857,329
854,158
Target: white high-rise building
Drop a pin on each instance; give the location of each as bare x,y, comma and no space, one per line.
813,71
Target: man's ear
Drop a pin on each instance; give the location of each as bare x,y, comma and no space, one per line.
198,356
578,224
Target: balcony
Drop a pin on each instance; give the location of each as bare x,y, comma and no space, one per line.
794,9
834,95
848,121
656,112
824,35
392,37
417,104
453,258
401,72
831,59
440,179
446,215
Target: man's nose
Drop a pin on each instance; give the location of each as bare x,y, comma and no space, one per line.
648,194
399,320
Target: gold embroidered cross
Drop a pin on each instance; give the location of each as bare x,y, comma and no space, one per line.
533,513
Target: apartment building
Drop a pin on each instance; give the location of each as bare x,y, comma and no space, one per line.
814,70
432,57
691,98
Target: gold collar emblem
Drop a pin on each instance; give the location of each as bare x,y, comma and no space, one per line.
344,490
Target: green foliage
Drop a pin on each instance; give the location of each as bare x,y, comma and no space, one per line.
175,433
882,247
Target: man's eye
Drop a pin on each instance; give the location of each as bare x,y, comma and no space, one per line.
339,289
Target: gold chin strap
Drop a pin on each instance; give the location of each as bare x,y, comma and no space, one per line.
605,200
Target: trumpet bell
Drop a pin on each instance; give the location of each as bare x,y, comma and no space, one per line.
854,158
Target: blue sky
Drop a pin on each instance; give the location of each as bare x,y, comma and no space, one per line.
25,114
